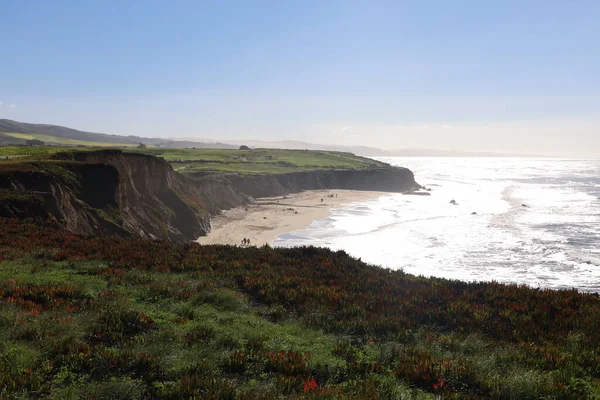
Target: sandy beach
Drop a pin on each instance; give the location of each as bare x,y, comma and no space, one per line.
269,217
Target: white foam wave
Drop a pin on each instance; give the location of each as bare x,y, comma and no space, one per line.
549,242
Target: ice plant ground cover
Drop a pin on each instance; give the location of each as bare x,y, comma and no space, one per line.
118,318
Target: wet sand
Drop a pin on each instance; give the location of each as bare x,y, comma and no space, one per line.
272,216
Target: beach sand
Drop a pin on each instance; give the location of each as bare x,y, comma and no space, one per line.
269,217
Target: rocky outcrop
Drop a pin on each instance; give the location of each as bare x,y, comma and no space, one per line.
111,192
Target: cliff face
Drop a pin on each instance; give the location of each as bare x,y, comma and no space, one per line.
108,192
382,179
49,191
154,200
111,192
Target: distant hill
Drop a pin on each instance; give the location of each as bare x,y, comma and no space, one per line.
367,151
186,144
6,140
16,133
8,126
298,145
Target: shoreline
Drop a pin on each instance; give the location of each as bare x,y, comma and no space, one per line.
269,217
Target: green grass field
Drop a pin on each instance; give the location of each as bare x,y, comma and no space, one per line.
259,161
31,151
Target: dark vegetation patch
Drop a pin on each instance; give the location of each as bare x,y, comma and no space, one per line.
110,317
17,203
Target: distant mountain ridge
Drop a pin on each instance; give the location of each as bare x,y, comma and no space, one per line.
62,132
9,126
367,151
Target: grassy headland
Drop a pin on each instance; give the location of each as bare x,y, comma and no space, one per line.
266,161
258,161
31,151
115,318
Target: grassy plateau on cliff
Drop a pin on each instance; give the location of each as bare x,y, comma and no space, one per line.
116,318
258,161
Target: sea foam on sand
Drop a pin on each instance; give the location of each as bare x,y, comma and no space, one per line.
263,221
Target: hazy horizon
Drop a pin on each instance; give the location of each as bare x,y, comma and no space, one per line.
505,77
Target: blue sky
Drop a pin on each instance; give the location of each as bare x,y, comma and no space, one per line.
507,76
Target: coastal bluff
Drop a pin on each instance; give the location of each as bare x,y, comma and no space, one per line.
132,194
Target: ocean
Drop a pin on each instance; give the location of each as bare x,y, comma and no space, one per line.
523,221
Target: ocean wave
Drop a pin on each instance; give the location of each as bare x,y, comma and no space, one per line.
537,223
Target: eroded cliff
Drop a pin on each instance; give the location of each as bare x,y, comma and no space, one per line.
106,192
389,179
114,192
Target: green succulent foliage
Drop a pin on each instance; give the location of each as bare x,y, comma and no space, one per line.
111,317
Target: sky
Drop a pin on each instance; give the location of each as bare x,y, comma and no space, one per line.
502,76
